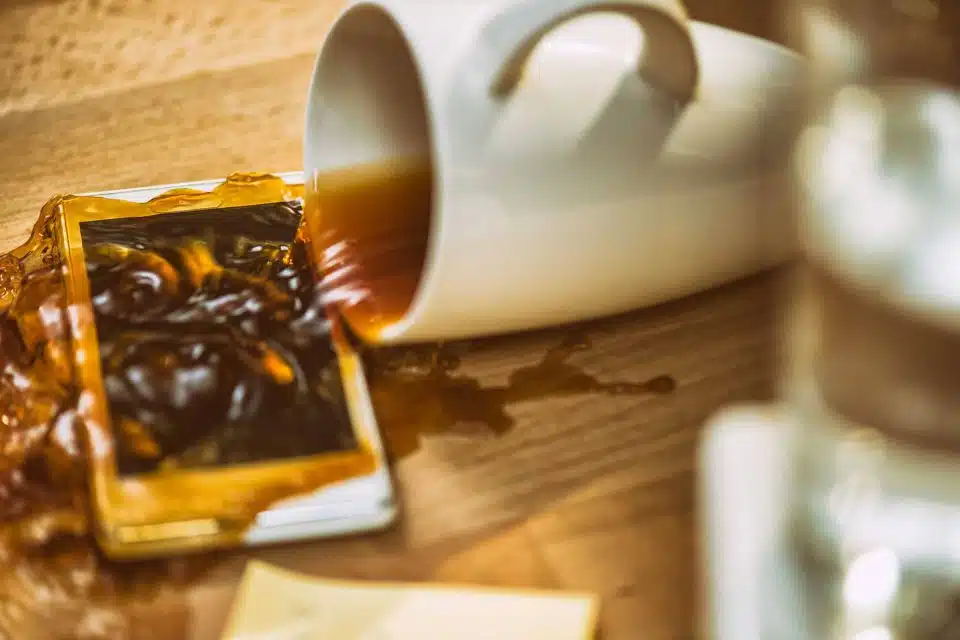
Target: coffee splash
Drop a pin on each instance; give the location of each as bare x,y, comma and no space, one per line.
209,329
257,301
54,582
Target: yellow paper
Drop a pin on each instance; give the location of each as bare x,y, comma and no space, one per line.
273,604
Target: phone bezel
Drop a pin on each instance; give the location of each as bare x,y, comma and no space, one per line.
174,512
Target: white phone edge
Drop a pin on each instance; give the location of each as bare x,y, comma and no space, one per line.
359,505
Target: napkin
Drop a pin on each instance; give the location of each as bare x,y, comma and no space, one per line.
274,604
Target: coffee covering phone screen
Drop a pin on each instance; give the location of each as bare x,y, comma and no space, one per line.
214,347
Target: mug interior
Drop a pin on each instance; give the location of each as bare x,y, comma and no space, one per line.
370,171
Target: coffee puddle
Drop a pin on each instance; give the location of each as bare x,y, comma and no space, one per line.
417,394
54,582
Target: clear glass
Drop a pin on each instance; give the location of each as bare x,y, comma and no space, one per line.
877,390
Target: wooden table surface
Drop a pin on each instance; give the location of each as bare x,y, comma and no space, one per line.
586,492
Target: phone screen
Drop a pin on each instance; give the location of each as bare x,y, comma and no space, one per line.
215,349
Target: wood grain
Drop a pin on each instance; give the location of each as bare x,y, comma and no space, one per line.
61,51
207,125
586,492
56,52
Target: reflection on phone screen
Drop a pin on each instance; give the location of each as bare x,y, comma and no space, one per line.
214,348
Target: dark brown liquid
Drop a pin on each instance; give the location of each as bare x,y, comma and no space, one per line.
214,347
420,393
370,228
54,583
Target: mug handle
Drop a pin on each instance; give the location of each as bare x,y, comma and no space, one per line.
669,61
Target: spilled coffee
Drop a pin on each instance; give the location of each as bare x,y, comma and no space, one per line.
370,227
214,348
60,583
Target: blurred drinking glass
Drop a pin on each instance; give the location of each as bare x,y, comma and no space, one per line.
877,389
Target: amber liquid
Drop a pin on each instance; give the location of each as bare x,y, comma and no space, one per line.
374,226
370,227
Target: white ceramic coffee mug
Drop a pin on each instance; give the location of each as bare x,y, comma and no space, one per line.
581,168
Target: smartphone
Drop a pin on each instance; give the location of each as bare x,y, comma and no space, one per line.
223,403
